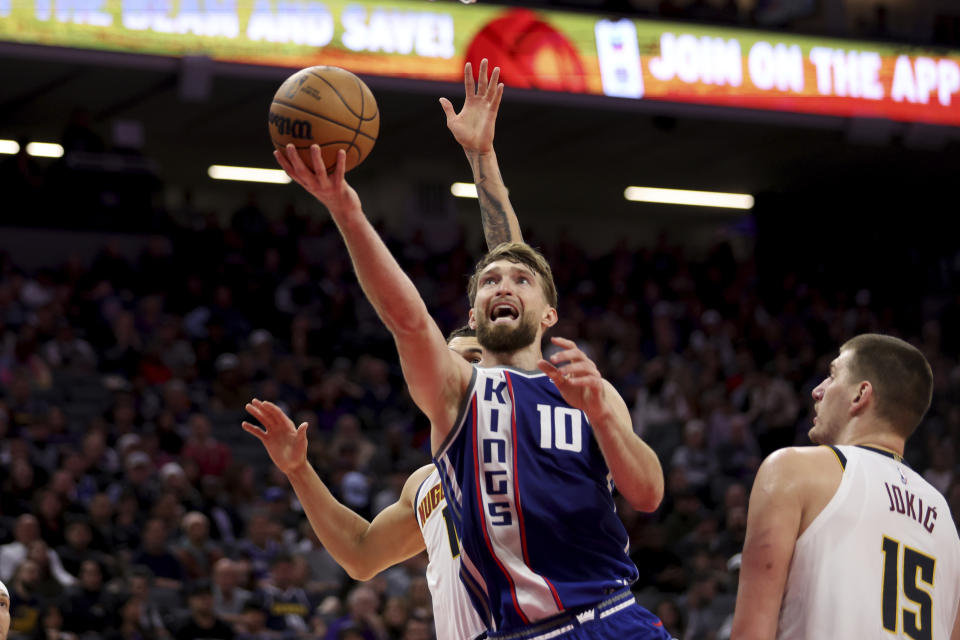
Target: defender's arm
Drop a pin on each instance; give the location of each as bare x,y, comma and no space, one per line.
362,548
773,526
473,128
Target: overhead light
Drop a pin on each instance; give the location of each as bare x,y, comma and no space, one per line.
694,198
463,190
35,149
248,174
44,149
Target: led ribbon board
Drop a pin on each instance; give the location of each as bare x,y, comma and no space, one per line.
546,50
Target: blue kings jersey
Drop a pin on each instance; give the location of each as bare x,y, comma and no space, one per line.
530,495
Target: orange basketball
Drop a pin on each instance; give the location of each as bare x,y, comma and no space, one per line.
328,106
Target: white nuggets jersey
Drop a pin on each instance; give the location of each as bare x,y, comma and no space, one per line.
453,615
882,560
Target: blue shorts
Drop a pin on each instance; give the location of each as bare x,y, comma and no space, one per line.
619,617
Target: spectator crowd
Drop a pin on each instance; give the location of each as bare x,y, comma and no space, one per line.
132,505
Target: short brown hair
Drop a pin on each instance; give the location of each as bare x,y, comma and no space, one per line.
899,373
520,253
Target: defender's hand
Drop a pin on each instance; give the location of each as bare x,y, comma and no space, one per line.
286,444
474,126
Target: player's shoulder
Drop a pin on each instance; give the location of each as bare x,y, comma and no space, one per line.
799,456
416,479
802,465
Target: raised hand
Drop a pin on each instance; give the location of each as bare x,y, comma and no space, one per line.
332,190
576,376
473,127
286,444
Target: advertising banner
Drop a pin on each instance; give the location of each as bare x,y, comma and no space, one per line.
542,50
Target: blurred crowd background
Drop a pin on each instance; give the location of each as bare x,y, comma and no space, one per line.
133,506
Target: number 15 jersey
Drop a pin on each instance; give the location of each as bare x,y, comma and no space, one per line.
530,495
882,560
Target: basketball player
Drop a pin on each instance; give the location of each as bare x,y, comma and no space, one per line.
420,518
845,540
4,611
526,455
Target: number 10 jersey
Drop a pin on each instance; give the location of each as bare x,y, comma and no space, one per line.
530,495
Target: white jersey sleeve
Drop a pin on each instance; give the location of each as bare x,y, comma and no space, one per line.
882,560
453,614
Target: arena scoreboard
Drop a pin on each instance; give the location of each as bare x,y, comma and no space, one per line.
541,50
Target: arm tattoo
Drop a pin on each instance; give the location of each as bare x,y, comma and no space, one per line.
494,217
493,213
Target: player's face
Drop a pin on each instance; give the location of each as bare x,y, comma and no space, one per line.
4,616
831,402
468,347
509,307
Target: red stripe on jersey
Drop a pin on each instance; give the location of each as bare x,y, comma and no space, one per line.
516,475
516,490
483,515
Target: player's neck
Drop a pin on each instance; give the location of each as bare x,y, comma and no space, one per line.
877,438
526,358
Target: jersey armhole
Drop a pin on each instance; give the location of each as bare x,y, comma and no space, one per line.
833,503
461,414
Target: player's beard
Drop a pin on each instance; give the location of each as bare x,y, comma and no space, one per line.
505,338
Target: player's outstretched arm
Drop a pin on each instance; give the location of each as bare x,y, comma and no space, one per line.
634,465
435,376
473,128
773,526
362,548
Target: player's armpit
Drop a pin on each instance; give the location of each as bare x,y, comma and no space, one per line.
773,525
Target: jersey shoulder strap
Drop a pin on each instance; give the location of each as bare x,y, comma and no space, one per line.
842,459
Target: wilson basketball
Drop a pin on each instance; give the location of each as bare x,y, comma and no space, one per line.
328,106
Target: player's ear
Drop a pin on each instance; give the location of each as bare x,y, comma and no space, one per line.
549,317
863,397
472,321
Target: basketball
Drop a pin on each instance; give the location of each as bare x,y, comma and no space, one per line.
328,106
